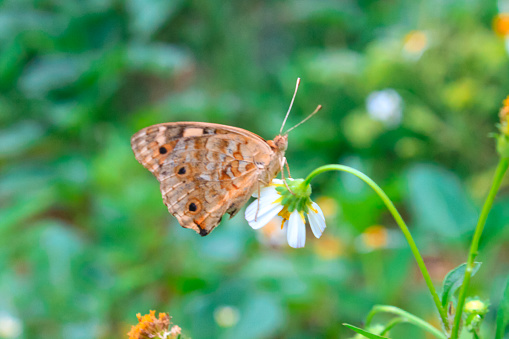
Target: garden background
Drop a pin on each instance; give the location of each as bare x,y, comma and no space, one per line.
410,90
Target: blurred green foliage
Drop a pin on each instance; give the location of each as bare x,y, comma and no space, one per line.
85,240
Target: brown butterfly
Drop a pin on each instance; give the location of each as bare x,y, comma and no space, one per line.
206,170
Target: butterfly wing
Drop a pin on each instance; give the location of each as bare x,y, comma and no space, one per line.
205,170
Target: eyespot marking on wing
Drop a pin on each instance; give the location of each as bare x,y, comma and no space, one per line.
193,206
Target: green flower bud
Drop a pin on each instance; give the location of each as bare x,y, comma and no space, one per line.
475,310
503,145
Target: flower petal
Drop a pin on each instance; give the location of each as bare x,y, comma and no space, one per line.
316,207
316,220
262,204
259,215
296,234
263,191
268,215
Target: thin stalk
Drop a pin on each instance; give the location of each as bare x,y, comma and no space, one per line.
409,317
399,220
393,323
497,180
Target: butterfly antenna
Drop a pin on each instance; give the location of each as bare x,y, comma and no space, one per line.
291,104
318,108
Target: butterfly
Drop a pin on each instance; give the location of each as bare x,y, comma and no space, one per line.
206,170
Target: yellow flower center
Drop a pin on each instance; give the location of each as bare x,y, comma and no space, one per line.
285,214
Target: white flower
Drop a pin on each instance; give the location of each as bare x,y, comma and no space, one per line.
275,200
385,106
10,327
226,316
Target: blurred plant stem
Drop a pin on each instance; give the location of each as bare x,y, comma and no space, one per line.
404,317
497,180
393,323
399,220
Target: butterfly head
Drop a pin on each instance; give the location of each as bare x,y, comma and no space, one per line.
280,143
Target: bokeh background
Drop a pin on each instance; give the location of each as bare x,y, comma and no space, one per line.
410,89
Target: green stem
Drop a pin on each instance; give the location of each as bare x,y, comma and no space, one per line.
393,323
409,317
497,180
399,221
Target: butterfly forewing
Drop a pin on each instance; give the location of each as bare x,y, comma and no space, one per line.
205,170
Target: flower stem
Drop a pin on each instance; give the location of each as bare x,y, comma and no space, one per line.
497,180
392,323
410,318
399,221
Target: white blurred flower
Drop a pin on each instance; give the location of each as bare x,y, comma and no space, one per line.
385,106
275,200
503,6
226,316
175,331
10,327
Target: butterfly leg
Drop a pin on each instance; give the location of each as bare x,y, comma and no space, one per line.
288,169
283,161
258,200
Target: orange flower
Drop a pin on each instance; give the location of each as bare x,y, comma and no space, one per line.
149,327
501,24
375,237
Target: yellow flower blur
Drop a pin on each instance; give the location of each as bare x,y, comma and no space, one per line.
415,42
375,237
501,24
149,327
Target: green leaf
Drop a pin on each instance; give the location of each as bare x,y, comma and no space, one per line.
453,281
503,314
364,332
433,188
